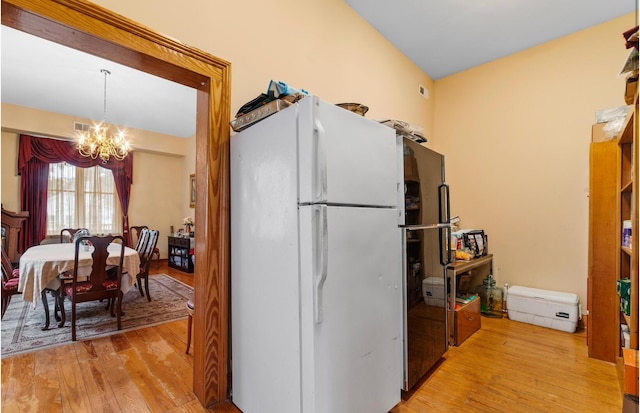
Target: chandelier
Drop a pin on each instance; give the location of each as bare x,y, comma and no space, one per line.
99,142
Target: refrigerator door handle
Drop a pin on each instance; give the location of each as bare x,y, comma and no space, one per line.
321,264
445,240
445,230
425,226
320,170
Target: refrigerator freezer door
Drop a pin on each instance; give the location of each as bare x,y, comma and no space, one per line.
351,317
424,168
345,158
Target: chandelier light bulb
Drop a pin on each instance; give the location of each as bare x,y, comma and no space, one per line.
99,142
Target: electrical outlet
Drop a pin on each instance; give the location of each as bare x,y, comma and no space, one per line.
423,91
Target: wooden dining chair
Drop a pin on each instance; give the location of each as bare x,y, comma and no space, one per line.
134,235
135,232
68,234
146,255
10,280
99,286
139,238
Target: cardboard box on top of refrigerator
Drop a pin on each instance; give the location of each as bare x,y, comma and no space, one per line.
630,88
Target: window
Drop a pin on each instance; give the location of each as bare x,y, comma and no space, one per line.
82,198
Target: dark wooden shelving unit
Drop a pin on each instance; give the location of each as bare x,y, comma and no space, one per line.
180,255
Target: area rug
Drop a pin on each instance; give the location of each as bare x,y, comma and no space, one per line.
21,327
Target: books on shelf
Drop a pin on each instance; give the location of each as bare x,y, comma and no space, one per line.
465,299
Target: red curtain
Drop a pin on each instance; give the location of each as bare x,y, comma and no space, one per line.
33,198
34,156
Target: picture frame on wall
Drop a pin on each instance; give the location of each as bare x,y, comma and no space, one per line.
192,192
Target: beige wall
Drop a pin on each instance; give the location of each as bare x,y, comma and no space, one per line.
516,136
10,181
321,46
157,194
515,131
188,168
33,121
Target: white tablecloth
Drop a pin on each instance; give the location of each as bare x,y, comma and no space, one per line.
40,266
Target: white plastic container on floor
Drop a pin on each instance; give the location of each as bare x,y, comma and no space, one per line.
433,291
552,309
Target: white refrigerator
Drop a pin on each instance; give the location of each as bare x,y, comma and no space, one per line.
316,271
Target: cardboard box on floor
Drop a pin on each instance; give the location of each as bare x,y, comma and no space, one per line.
631,371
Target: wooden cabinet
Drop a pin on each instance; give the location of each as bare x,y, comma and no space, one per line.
613,200
627,256
466,319
602,301
180,253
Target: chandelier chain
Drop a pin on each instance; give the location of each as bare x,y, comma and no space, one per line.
104,109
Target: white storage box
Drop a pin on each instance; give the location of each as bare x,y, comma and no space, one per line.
552,309
433,291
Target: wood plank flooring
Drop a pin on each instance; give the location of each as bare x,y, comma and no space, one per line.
509,366
505,367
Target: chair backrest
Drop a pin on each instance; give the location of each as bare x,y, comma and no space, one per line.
68,234
98,278
7,269
146,253
143,239
134,235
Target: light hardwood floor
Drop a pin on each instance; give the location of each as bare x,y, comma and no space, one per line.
505,367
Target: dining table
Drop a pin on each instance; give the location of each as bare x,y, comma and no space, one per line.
41,266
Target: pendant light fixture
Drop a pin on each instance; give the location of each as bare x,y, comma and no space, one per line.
99,142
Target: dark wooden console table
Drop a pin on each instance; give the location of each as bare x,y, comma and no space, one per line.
180,253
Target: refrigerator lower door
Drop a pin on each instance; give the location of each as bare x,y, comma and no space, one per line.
265,294
351,309
425,303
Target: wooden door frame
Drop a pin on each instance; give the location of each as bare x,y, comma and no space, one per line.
98,31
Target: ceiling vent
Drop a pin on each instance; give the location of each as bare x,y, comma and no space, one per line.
81,127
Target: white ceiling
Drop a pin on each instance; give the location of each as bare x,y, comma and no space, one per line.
45,75
442,37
